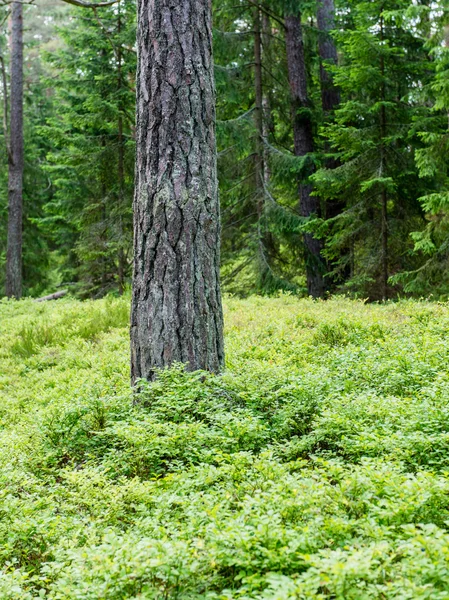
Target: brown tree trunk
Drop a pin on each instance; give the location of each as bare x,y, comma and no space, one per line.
303,140
15,158
176,309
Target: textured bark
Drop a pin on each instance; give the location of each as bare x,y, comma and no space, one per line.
303,142
176,309
15,158
328,53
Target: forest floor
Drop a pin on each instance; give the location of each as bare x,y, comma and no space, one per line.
317,466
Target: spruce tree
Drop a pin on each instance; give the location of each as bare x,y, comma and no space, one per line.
303,135
36,267
91,164
431,243
385,66
263,229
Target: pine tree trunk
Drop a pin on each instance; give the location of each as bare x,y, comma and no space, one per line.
15,158
176,309
303,141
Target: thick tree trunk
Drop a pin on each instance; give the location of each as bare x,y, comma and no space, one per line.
303,140
328,54
176,309
15,158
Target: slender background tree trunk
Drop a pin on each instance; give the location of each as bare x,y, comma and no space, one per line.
330,99
15,158
121,162
384,198
330,94
303,141
267,120
176,308
259,122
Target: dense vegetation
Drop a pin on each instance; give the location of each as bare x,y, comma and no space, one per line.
314,467
376,161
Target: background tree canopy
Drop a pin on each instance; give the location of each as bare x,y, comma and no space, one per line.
372,178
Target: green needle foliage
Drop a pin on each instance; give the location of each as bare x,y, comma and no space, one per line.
92,163
38,264
431,243
379,164
384,69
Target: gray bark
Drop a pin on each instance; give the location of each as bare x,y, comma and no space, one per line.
55,296
15,158
303,142
176,307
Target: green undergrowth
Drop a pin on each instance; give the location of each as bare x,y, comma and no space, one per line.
316,466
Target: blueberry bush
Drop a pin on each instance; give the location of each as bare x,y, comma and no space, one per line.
316,466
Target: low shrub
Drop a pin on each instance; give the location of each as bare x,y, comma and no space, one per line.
316,466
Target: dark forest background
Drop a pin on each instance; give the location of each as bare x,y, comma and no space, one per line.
333,167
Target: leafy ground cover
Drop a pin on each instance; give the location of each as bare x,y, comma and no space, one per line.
317,466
